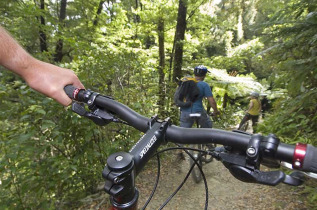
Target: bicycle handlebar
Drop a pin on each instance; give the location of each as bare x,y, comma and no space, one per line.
303,157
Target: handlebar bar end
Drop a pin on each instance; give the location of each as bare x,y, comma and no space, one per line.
71,91
310,160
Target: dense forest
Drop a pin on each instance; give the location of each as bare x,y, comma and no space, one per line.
135,51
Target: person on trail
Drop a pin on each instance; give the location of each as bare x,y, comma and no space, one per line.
197,106
265,105
253,111
45,78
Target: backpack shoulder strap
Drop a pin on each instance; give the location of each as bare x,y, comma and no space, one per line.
188,78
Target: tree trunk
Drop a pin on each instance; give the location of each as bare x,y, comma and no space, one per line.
137,18
225,101
179,39
161,85
43,39
59,45
99,10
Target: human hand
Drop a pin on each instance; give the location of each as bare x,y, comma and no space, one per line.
216,113
50,80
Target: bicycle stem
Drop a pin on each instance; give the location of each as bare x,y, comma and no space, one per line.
122,167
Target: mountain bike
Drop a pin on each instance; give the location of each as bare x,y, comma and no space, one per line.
245,126
242,153
200,157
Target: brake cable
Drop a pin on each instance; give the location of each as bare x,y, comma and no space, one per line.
187,175
156,182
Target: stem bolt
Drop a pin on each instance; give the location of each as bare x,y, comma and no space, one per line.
119,158
116,180
251,151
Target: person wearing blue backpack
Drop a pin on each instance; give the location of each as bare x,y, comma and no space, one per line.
197,106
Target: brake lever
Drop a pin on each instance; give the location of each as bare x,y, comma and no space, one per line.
98,116
79,109
238,167
308,174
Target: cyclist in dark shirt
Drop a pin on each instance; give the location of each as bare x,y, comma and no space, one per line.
265,105
45,78
197,107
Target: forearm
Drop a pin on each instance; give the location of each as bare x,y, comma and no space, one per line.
250,106
45,78
213,103
12,55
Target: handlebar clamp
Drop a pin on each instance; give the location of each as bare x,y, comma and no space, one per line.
91,97
260,147
253,151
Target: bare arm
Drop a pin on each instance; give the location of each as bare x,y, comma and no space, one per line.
213,104
250,106
45,78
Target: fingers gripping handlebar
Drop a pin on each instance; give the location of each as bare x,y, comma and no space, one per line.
303,157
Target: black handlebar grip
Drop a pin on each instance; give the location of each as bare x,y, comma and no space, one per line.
310,160
69,90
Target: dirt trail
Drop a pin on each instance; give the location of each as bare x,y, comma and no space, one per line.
225,192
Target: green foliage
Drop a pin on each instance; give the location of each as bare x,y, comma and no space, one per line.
294,64
51,158
296,119
310,192
241,58
233,86
45,151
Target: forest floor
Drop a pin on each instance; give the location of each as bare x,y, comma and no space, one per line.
225,192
